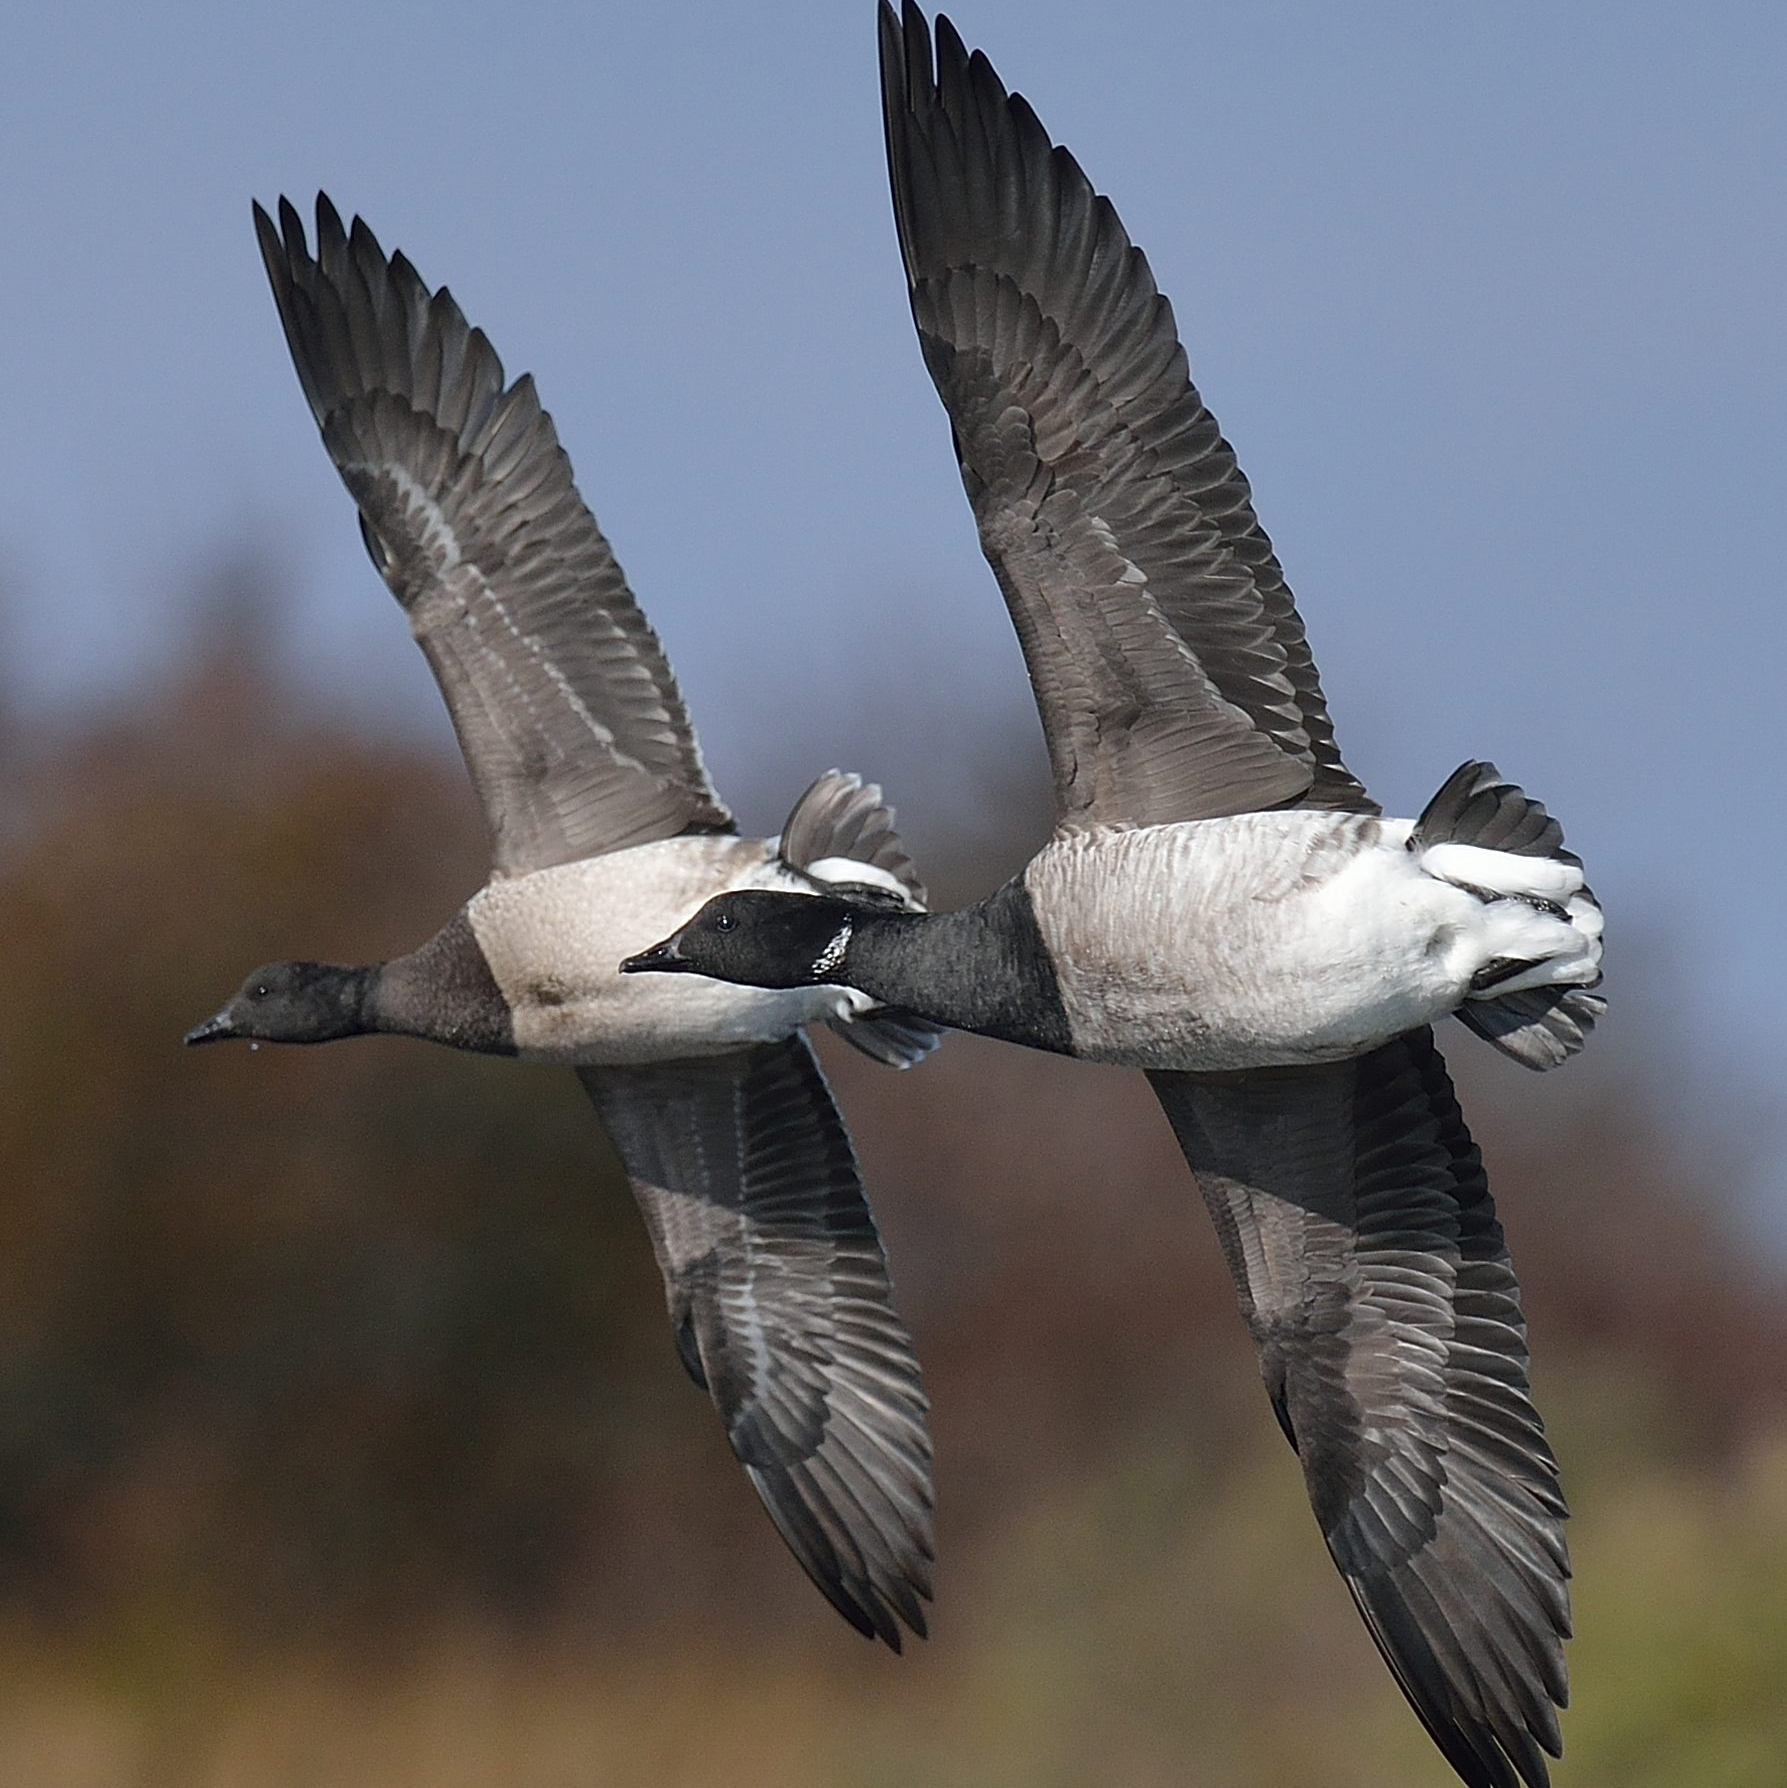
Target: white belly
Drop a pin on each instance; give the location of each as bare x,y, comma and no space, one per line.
1266,939
555,940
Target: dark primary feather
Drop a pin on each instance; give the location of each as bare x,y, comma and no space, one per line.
779,1294
1168,658
566,709
1355,1216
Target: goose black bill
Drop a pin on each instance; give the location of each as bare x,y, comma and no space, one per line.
663,958
214,1030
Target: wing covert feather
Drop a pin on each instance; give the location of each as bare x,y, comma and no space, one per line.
779,1294
570,720
1356,1219
1084,446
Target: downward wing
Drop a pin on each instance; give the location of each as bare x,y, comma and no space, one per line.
1167,657
570,720
1354,1213
779,1294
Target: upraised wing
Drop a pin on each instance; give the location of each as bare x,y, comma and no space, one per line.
1167,656
570,720
1356,1219
779,1295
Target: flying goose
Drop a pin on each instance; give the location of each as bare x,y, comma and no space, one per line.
605,831
1222,905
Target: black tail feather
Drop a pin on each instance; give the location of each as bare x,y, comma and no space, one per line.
1476,805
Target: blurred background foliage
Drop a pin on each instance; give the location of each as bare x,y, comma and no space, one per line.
342,1441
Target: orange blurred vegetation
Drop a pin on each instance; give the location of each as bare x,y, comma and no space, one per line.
342,1441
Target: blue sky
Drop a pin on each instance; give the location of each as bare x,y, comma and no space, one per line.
1489,300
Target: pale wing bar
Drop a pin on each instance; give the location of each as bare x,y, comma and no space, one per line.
779,1294
570,719
1354,1213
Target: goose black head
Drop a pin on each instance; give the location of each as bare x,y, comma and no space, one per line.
292,1002
759,939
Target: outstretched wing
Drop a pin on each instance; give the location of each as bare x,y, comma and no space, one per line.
780,1298
570,720
1167,656
1354,1213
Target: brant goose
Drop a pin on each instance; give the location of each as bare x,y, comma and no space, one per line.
1223,906
606,831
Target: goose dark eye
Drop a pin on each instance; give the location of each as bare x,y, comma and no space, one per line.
724,921
261,992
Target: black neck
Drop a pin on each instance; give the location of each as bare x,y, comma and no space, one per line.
359,996
444,992
983,969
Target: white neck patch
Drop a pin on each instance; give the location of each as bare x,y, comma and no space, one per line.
833,954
